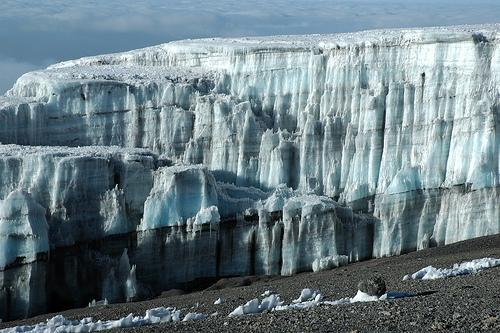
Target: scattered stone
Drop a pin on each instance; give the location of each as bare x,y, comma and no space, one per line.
490,322
374,286
439,326
172,293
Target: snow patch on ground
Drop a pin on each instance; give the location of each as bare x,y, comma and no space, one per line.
308,298
468,267
253,306
60,324
194,316
307,295
272,302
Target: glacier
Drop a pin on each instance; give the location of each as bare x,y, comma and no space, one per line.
261,155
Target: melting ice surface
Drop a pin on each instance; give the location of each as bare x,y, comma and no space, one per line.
464,268
263,155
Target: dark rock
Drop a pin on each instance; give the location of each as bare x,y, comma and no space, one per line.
172,293
374,286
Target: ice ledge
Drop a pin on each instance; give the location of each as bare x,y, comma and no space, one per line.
12,150
291,43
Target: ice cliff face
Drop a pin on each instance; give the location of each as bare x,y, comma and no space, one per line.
285,135
23,228
87,193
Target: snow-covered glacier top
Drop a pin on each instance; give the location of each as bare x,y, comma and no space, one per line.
210,46
185,60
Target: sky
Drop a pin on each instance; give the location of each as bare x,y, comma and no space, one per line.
36,33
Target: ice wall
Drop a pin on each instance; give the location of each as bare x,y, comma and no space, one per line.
23,229
84,193
342,115
401,124
178,194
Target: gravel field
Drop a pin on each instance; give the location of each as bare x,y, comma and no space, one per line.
461,304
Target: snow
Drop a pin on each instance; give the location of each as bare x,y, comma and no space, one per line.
194,316
464,268
250,307
218,301
310,298
253,306
307,295
60,324
190,52
364,297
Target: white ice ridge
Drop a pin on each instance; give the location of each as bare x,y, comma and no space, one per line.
464,268
308,298
60,324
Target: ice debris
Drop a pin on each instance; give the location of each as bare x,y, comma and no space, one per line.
253,306
194,316
467,267
98,303
309,298
329,262
61,324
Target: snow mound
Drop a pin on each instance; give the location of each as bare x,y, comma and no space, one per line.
194,316
307,295
468,267
308,298
60,324
364,297
253,306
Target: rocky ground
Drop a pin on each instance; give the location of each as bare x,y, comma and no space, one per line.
460,304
